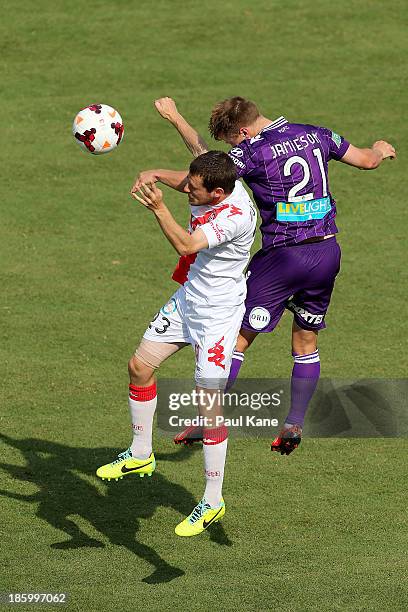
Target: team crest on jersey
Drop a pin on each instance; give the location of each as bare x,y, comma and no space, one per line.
169,308
336,139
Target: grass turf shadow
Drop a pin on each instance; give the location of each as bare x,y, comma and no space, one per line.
54,468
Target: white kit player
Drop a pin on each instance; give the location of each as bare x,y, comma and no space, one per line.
205,312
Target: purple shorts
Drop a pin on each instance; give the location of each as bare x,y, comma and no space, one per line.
300,278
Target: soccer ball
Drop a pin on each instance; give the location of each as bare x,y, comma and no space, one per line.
98,128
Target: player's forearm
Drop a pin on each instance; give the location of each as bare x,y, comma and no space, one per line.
178,237
192,139
176,179
372,159
368,159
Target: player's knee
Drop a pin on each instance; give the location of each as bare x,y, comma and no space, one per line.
304,341
139,372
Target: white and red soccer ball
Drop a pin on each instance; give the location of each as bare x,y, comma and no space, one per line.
98,128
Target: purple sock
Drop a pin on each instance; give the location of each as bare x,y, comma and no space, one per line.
305,376
236,363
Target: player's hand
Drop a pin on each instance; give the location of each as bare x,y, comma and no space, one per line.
166,107
385,148
147,176
150,196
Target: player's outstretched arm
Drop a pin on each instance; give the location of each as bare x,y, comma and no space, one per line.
192,139
369,159
176,179
185,244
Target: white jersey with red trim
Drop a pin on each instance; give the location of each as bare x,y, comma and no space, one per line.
214,276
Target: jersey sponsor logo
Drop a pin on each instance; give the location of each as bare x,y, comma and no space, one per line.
259,317
303,211
308,317
237,162
286,127
170,307
237,152
234,210
218,231
217,354
336,139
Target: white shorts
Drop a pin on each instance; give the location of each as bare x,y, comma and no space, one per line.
211,330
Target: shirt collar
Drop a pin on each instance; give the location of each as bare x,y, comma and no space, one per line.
275,124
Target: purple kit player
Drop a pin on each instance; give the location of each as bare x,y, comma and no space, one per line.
286,167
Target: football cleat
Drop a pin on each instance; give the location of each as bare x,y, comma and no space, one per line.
201,517
126,464
289,439
189,435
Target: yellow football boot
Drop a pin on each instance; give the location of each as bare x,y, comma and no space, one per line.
127,464
201,517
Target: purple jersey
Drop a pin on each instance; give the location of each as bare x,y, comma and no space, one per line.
286,166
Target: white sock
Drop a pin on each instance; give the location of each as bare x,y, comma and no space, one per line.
215,452
142,406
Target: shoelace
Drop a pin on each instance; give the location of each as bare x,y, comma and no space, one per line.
127,454
198,511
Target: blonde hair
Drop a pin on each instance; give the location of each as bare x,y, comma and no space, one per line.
230,115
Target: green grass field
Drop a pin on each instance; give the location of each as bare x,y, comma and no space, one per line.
83,269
